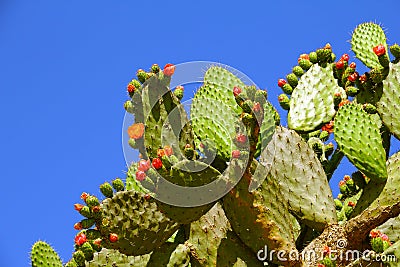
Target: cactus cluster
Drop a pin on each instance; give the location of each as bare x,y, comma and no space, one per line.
219,187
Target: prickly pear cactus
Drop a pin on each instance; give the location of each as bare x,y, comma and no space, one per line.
225,184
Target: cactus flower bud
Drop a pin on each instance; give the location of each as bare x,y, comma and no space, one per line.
169,69
78,226
136,130
160,152
84,195
78,207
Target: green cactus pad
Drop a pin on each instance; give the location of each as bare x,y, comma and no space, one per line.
303,182
213,119
389,104
224,81
358,136
170,255
364,38
166,121
110,257
43,255
312,101
138,222
190,174
263,218
213,243
382,193
393,250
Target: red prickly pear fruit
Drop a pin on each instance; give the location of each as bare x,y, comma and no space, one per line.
169,69
96,209
374,233
168,151
136,131
341,183
118,184
84,195
321,265
328,46
353,77
346,178
113,238
281,82
140,175
353,65
235,154
157,163
345,57
339,65
241,138
256,107
144,165
80,239
78,207
236,91
351,204
379,50
147,196
78,226
130,88
92,201
328,127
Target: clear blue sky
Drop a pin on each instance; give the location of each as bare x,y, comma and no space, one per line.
64,66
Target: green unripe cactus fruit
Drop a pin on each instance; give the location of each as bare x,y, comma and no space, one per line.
284,101
155,68
351,91
79,257
85,211
324,135
305,64
87,251
92,201
298,71
128,106
313,57
132,143
328,262
106,189
178,92
141,75
292,79
87,223
395,50
287,89
118,185
369,108
329,149
338,204
43,255
71,263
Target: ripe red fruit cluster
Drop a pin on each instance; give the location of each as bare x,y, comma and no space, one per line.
169,69
113,238
328,127
351,204
80,239
341,183
236,91
157,163
281,82
352,65
353,77
339,64
379,50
